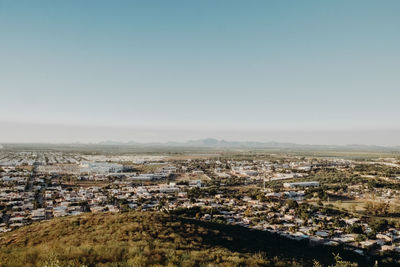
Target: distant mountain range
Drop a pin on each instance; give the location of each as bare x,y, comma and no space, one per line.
216,143
205,144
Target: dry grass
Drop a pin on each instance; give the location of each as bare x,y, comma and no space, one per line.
128,239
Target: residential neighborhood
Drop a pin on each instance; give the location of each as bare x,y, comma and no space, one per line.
327,202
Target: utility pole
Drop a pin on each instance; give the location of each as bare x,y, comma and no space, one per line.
264,182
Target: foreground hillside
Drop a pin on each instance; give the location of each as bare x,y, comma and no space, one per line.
148,238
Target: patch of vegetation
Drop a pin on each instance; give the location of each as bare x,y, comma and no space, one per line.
153,239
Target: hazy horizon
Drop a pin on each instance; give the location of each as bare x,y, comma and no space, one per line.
309,72
46,133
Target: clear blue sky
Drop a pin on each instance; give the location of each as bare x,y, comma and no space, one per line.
210,65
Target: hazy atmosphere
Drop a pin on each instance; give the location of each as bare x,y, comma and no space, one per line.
52,133
312,72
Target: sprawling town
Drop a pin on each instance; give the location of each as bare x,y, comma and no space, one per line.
325,200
